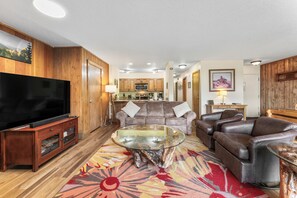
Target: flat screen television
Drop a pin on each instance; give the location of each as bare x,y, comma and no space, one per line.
27,99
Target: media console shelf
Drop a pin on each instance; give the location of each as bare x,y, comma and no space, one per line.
35,146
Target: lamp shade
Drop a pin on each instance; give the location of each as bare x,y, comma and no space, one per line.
110,88
222,93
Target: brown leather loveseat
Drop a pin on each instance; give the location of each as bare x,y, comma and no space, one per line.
212,122
242,148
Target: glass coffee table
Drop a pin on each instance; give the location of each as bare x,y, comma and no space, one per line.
287,152
156,143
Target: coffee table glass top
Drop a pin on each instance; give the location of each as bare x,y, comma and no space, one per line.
148,137
285,151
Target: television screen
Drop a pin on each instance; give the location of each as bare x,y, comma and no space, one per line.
27,99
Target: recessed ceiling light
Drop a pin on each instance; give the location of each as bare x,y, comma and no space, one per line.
182,66
49,8
122,71
130,63
256,62
174,74
149,63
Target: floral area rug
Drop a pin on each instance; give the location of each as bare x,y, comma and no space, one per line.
195,172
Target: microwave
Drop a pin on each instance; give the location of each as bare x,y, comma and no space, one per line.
141,86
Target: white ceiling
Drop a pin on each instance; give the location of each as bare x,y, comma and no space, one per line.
159,31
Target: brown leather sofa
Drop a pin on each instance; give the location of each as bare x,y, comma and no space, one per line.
213,122
242,148
158,112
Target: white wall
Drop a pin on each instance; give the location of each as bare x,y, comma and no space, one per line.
233,96
113,74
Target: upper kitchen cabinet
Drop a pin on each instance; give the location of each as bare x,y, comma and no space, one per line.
159,85
127,85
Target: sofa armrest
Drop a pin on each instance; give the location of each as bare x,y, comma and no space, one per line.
243,127
190,116
121,116
218,124
211,116
284,136
258,144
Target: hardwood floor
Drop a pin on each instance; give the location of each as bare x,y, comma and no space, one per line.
53,175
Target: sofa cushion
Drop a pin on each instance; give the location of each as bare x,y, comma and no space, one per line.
266,125
181,109
131,109
137,120
176,121
142,111
206,126
155,109
168,108
155,120
237,144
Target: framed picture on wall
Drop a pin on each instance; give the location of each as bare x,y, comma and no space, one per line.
15,48
222,79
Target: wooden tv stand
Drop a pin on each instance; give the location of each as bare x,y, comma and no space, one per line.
35,146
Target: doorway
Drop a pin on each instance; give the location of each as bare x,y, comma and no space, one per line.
94,95
185,89
196,92
251,94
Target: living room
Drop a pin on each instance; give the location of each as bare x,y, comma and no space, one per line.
182,48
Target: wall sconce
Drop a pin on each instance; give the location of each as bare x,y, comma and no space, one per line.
222,93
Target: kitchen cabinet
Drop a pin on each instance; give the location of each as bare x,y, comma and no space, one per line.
159,85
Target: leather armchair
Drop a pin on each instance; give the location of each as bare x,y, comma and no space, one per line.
213,122
242,148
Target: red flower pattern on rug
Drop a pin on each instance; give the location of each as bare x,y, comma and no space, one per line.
195,172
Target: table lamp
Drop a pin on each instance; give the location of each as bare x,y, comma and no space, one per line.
222,93
111,89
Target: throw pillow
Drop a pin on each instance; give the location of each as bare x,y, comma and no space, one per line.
131,109
181,109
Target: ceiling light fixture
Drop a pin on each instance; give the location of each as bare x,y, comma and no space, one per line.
174,74
49,8
256,62
148,63
155,71
130,63
182,66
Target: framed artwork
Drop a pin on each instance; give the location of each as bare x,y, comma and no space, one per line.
15,48
189,85
222,79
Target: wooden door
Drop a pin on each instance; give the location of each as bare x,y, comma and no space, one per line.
184,89
196,92
94,96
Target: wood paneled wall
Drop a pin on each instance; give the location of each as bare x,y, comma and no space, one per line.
67,63
42,58
274,94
